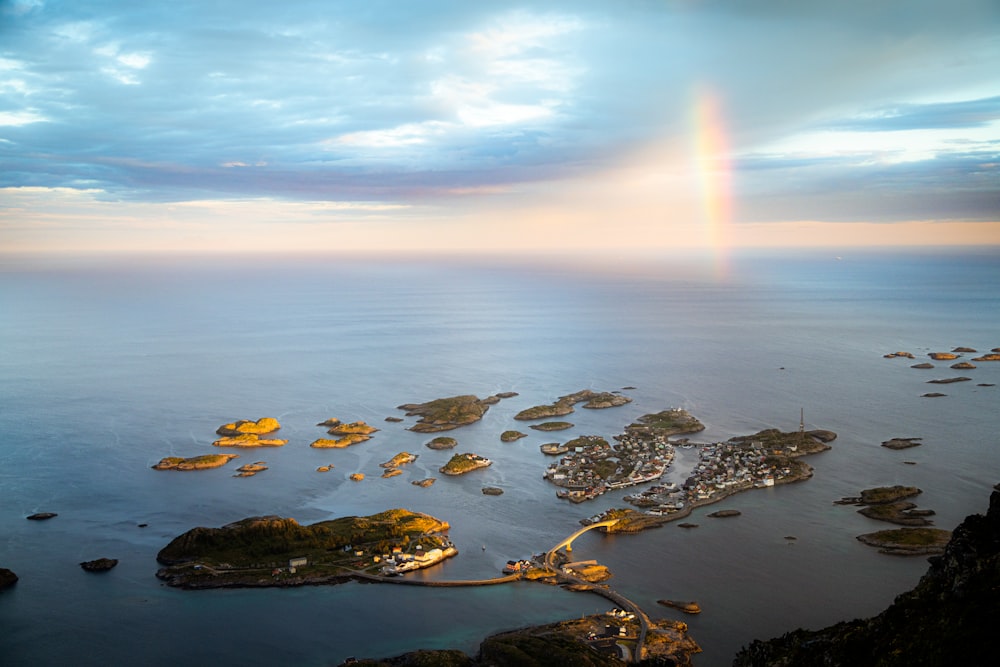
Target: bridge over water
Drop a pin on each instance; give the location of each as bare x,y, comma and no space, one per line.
568,542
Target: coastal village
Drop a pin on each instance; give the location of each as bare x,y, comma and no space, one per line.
644,454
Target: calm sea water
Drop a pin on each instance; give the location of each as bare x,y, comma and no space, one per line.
106,367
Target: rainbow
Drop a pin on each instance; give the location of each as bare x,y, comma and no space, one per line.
711,157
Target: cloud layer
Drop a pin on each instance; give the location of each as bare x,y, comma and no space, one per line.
442,110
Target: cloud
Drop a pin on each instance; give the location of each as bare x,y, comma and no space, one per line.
452,104
942,115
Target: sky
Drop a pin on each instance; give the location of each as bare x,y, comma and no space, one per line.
494,127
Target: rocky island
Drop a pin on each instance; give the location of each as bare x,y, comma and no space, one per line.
262,426
203,462
275,551
354,428
99,565
340,443
442,442
590,641
901,443
552,426
463,463
949,618
564,406
511,436
399,459
445,414
248,440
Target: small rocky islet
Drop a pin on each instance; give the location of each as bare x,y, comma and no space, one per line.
247,433
459,464
564,405
99,565
202,462
889,504
445,414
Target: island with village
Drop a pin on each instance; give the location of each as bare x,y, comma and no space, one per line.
279,552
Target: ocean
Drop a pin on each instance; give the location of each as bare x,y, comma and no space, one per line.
107,366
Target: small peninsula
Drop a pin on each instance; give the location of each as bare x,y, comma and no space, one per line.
274,551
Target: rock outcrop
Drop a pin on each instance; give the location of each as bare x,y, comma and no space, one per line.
203,462
99,565
445,414
949,618
262,426
7,578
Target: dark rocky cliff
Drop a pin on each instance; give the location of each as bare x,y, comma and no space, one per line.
949,618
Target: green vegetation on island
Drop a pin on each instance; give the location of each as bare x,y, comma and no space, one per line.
673,421
948,618
588,641
564,406
354,428
276,551
444,414
908,541
463,463
552,426
262,426
511,436
203,462
442,442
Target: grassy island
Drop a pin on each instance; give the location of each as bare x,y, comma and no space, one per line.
582,641
908,541
552,426
276,551
442,442
665,423
445,414
463,463
511,436
564,406
354,428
